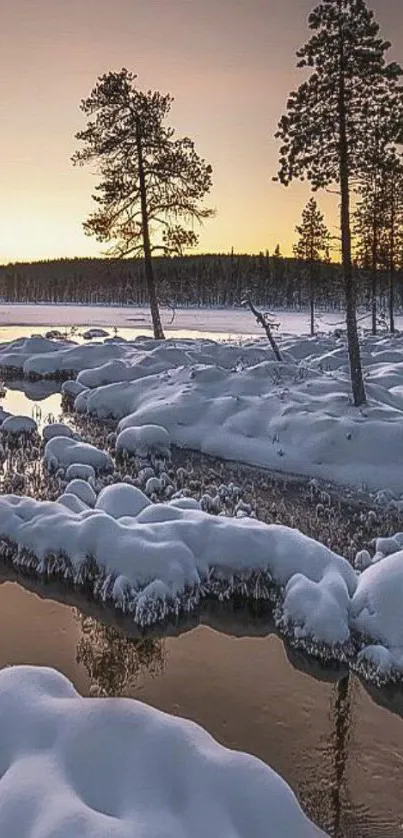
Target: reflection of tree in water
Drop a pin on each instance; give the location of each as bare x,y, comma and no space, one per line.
340,742
324,793
115,662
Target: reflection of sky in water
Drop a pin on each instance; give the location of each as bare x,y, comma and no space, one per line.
40,400
8,333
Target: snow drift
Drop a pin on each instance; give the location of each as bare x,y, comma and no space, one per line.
236,402
376,614
158,560
115,768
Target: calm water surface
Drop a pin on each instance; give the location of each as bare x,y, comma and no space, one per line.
340,751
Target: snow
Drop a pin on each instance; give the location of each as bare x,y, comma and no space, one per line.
19,425
56,429
115,768
72,388
376,612
80,471
90,334
143,440
235,401
62,451
82,490
226,321
319,611
154,560
122,501
238,403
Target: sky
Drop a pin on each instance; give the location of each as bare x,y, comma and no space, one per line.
229,65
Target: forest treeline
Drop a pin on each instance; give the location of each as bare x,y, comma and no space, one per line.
203,280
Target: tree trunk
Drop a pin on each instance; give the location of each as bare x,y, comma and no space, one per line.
354,353
340,744
392,264
148,262
374,275
312,298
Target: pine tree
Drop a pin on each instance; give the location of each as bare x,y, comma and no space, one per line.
150,181
311,247
391,244
369,218
324,131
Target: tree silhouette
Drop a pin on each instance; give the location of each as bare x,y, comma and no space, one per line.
115,662
312,246
151,184
392,233
324,131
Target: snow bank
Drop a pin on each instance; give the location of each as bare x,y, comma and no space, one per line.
56,429
82,490
80,471
144,440
236,402
156,560
376,613
115,768
16,353
62,451
16,425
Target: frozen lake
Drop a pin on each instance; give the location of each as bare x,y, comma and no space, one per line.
131,322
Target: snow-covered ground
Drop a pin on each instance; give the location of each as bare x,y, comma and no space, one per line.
236,402
115,768
224,321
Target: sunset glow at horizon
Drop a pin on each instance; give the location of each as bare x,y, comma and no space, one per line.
229,66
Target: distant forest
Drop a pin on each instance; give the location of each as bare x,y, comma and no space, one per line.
207,280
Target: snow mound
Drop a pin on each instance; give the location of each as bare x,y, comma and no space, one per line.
19,425
72,388
90,334
79,471
143,440
122,500
72,502
116,768
318,611
64,451
83,491
159,560
16,353
376,613
56,429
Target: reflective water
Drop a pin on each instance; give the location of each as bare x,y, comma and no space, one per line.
39,399
73,333
342,754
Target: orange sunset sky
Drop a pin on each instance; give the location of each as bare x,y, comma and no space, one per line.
229,64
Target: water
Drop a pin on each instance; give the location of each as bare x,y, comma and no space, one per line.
40,400
342,754
340,751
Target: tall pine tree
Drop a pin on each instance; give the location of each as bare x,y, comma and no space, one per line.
323,132
311,247
152,184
